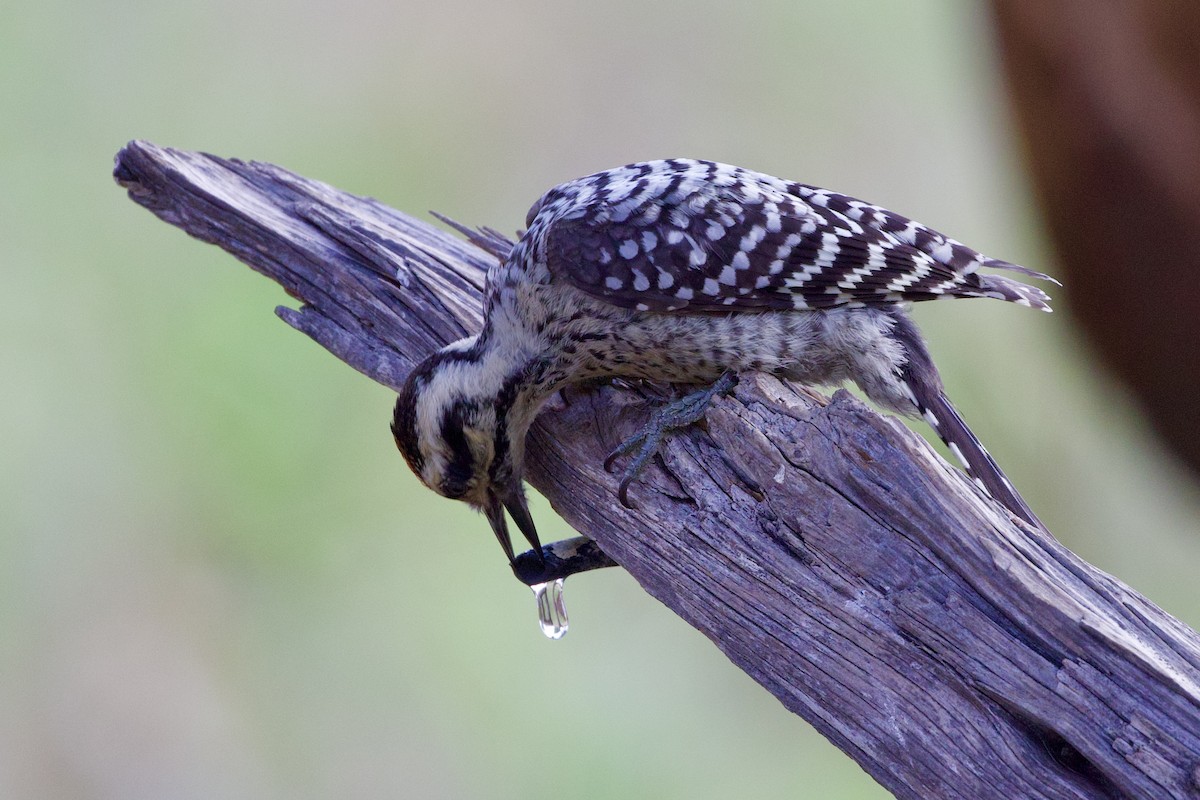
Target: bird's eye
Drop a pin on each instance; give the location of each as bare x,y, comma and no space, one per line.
455,482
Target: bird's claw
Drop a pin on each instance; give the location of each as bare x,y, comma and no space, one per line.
623,492
687,410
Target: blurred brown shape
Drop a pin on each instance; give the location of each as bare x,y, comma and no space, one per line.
1107,96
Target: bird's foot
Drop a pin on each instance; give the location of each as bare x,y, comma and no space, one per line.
681,413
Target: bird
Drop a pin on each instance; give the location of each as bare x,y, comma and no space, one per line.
684,271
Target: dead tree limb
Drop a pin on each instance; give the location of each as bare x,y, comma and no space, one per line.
948,649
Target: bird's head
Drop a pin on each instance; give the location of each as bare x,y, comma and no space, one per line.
452,425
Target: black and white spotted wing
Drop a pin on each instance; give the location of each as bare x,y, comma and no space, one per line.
703,236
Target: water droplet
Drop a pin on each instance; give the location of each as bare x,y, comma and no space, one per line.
551,608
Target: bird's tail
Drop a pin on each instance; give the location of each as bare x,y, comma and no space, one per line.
922,380
1004,288
978,462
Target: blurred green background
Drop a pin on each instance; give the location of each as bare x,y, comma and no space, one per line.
217,577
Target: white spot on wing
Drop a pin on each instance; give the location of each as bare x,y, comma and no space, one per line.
919,271
753,237
789,243
798,279
909,233
943,252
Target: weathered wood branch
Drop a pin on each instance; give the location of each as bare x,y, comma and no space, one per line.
949,649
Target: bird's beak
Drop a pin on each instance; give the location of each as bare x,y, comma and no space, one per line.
518,509
494,510
514,501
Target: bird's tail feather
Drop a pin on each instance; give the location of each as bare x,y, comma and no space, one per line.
949,425
925,387
1002,288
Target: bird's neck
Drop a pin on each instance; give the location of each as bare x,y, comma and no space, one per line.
506,371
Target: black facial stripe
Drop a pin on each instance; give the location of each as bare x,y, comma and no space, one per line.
461,468
504,403
436,360
505,399
404,428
